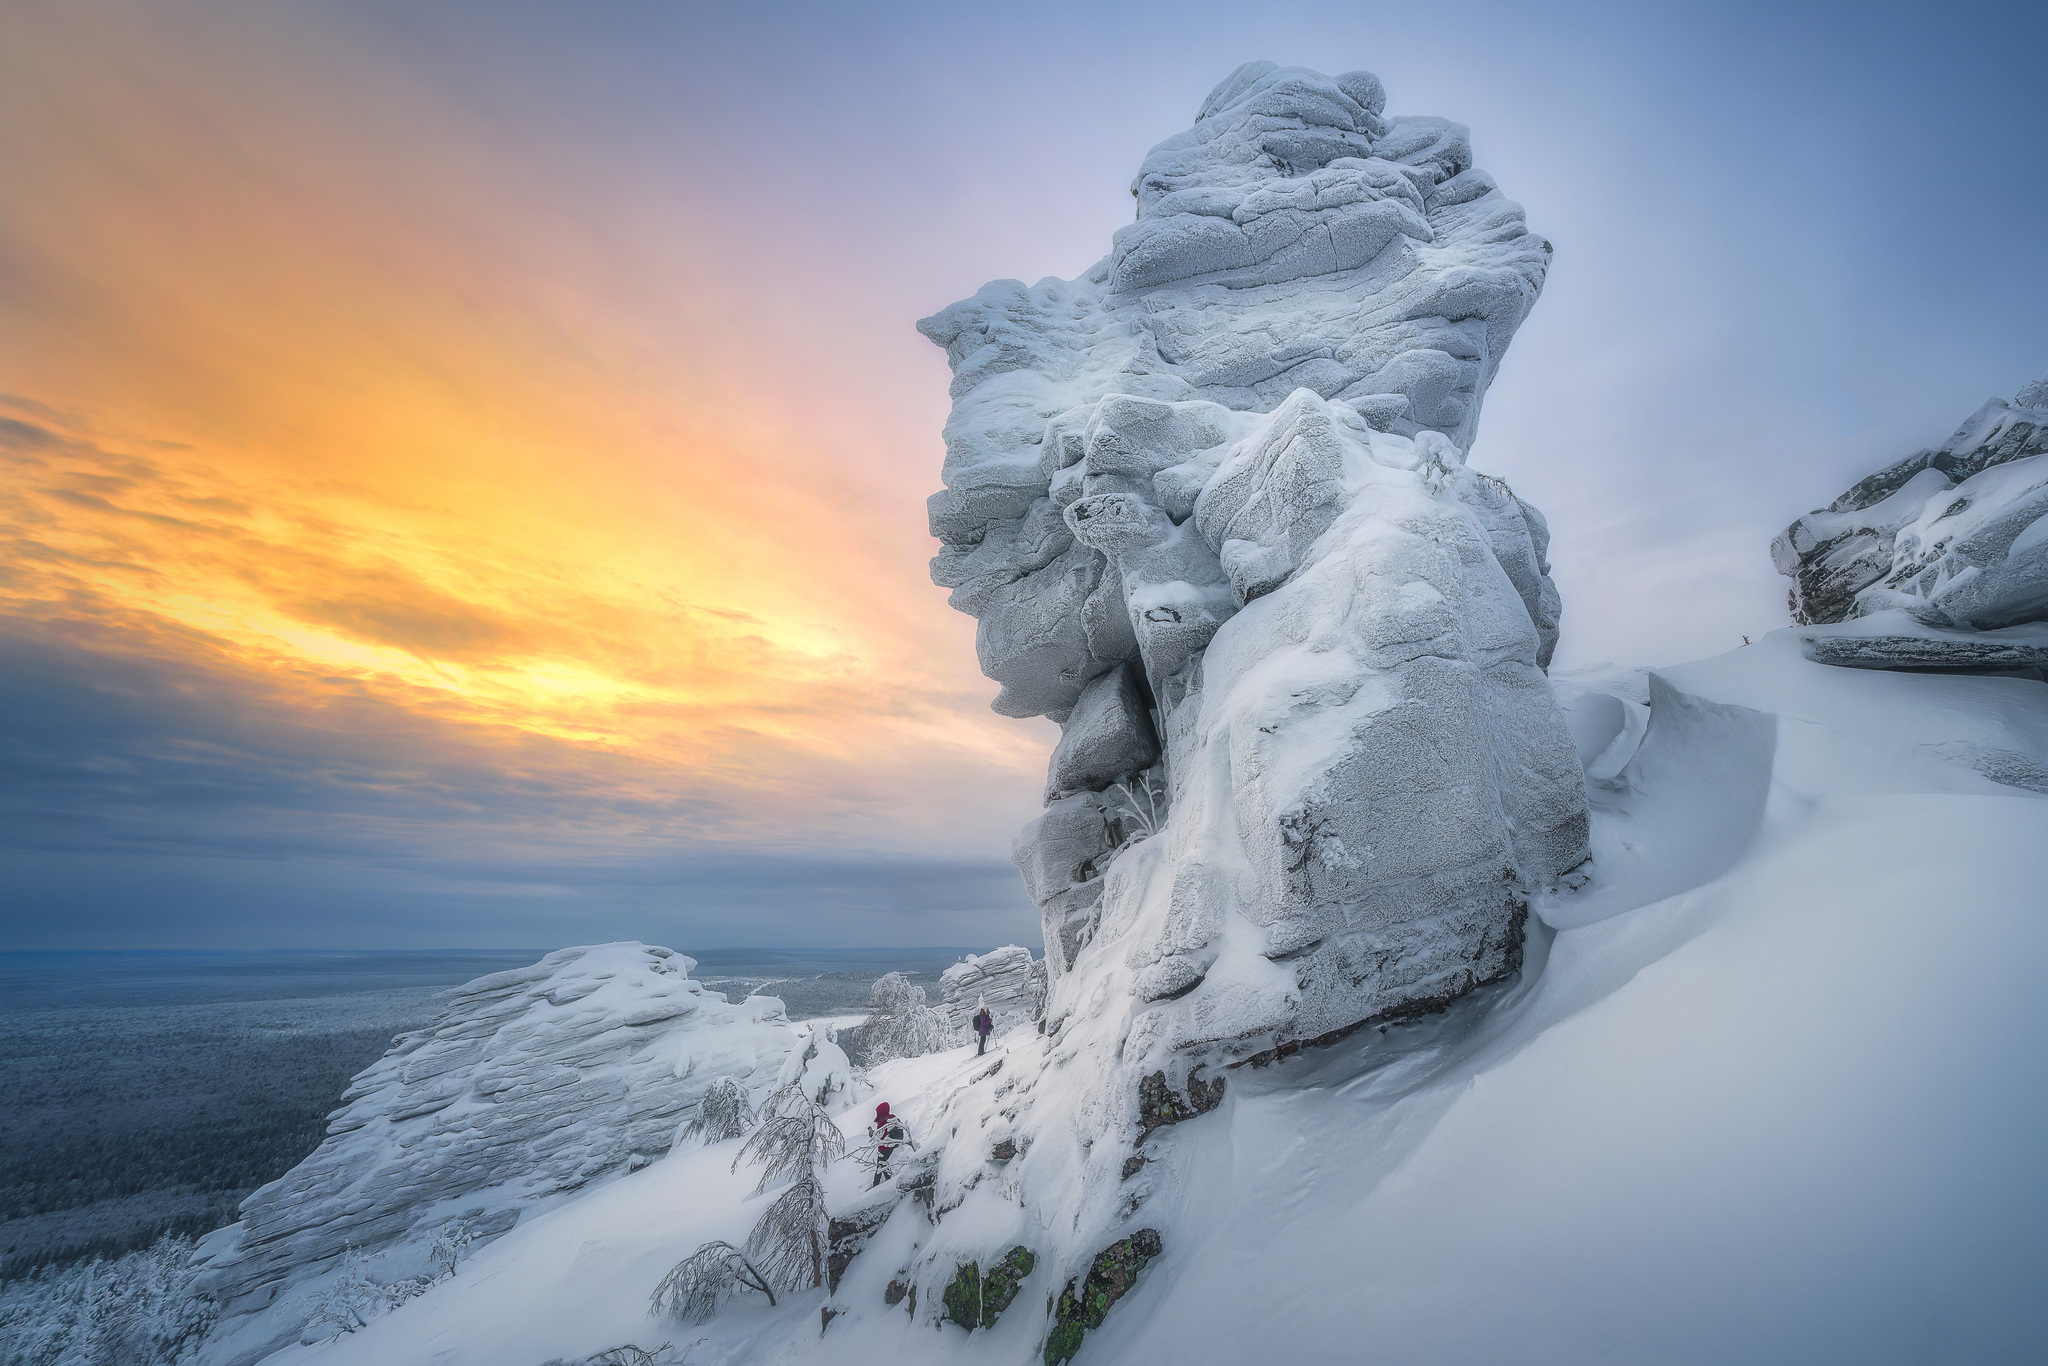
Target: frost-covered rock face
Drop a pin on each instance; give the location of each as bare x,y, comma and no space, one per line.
1954,539
1210,506
1009,981
528,1085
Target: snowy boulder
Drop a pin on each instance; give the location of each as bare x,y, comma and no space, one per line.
1953,540
1210,506
1007,980
529,1085
1108,736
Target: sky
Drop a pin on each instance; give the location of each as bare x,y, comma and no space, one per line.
464,463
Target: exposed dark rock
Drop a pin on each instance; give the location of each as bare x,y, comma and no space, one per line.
962,1296
1003,1151
976,1299
1413,1010
1133,1164
1988,652
894,1292
847,1234
1158,1106
1001,1282
1085,1306
2013,769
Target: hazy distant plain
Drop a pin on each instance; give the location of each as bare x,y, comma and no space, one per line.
150,1092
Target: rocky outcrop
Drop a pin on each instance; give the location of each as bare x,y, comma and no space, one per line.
1945,544
850,1231
975,1298
1894,640
1008,980
1209,504
1086,1302
1158,1106
527,1086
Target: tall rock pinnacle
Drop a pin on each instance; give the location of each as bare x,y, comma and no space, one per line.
1210,506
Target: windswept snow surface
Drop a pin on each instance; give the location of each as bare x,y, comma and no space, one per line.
1768,1089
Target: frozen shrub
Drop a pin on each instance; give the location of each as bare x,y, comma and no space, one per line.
348,1302
449,1246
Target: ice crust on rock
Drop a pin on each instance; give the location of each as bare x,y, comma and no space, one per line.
1924,554
529,1085
1209,504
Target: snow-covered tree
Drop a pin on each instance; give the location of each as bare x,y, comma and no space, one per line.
818,1068
723,1113
136,1310
901,1023
795,1139
789,1240
695,1287
349,1301
354,1297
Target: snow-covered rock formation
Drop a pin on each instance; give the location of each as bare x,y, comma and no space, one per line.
529,1085
1210,506
1939,561
1008,980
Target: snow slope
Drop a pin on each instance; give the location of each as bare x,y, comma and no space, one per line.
1767,1089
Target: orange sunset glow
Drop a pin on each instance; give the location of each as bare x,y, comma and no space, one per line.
293,402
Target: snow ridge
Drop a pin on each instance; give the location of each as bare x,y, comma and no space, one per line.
529,1086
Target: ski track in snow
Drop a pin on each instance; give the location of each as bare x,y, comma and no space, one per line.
1768,1089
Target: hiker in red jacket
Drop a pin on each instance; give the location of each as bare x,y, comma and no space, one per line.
885,1133
984,1025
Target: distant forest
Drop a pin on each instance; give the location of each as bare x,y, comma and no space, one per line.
126,1122
123,1124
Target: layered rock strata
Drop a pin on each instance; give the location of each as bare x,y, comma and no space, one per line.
1931,562
1210,507
1008,980
528,1085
